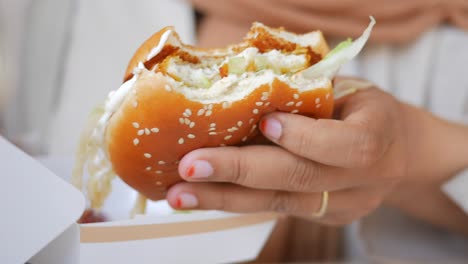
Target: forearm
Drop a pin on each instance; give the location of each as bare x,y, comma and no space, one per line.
429,204
438,150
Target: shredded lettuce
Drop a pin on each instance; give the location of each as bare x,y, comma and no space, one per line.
340,46
344,52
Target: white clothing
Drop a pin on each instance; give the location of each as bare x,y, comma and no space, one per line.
431,73
67,55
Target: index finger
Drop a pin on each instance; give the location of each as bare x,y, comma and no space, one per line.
265,167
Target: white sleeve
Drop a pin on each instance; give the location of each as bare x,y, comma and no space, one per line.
457,190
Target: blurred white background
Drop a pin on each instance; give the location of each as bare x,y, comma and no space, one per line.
59,58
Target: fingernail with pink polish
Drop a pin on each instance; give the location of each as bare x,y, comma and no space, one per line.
271,128
186,200
200,169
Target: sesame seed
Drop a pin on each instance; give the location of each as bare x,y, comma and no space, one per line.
264,98
212,133
192,124
317,100
135,125
210,107
200,112
294,111
299,103
187,121
251,120
155,130
208,113
213,125
161,162
167,87
188,111
226,104
140,132
259,103
267,104
148,168
230,130
318,106
191,136
181,141
296,96
181,120
135,104
159,172
290,103
244,139
147,131
136,141
147,155
253,128
255,111
158,182
265,93
212,129
185,114
326,96
239,123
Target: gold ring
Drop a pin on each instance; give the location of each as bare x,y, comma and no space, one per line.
323,206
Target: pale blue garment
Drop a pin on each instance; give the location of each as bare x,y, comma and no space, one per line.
431,72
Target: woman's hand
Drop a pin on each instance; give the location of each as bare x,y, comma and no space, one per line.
358,158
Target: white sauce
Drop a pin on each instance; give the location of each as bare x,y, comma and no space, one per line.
112,104
93,148
155,51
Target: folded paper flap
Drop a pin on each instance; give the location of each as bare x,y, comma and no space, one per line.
103,234
39,205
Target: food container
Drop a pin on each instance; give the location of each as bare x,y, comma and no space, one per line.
40,208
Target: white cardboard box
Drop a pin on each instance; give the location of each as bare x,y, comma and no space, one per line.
39,210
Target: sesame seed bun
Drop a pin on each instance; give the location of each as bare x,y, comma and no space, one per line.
180,98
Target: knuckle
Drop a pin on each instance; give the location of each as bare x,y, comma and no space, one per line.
240,169
302,176
370,148
302,143
281,202
223,202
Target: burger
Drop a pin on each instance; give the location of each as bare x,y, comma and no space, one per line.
176,98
